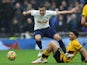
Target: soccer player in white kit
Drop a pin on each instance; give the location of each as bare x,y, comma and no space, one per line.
42,27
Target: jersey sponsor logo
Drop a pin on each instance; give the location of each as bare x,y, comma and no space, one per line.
42,22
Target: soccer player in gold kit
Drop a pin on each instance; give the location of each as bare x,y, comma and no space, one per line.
84,15
61,57
84,20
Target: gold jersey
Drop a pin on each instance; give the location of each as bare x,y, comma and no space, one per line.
84,12
73,47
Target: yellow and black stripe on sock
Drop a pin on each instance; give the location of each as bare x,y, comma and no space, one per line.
45,54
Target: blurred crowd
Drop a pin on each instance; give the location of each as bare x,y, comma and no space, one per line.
12,20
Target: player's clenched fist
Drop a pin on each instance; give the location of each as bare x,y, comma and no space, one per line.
74,10
24,13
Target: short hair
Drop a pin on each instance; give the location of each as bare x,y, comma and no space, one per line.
75,32
41,6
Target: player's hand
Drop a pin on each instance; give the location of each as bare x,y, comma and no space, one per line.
74,10
24,13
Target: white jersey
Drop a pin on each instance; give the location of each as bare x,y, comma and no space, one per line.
42,21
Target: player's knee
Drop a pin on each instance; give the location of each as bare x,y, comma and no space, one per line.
52,44
57,37
38,37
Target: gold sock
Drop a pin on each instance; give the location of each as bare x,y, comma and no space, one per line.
45,54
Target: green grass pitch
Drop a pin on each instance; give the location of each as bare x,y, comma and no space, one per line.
25,57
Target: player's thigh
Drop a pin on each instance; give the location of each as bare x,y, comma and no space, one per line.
50,32
54,46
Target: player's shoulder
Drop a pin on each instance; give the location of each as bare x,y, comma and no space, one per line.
34,10
49,10
75,42
85,6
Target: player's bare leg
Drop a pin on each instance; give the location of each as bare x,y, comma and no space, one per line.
52,47
38,41
62,45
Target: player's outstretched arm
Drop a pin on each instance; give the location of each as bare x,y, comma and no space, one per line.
83,21
73,10
26,12
84,53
